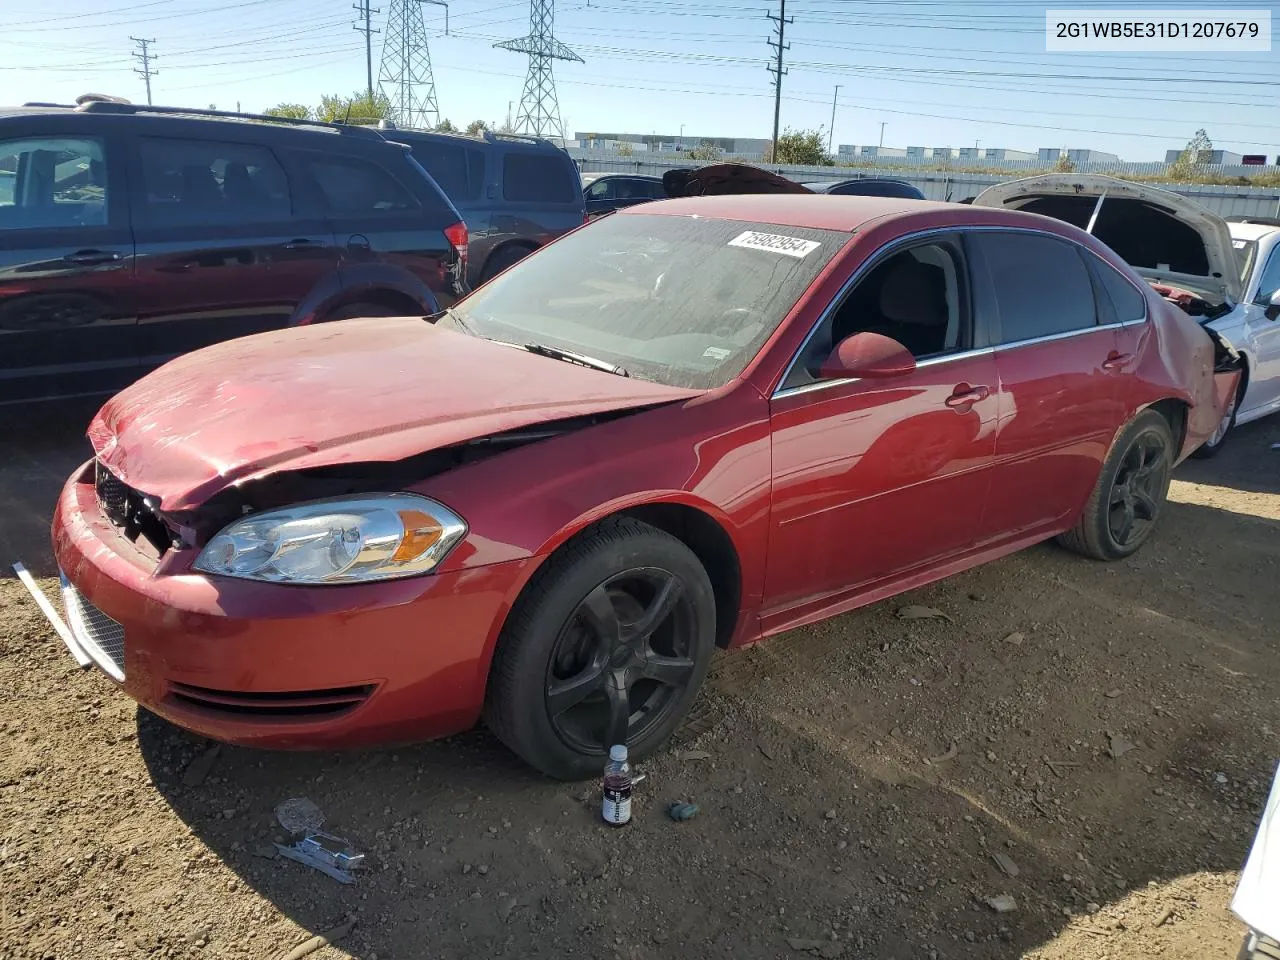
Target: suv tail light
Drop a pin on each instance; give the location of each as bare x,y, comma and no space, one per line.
457,235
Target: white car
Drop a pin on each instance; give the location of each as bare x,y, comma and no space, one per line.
1227,275
1253,327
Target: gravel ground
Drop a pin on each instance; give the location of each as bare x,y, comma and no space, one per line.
1093,741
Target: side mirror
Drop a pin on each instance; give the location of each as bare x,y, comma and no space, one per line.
869,355
1273,306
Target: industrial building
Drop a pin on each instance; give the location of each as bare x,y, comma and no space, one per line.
1215,158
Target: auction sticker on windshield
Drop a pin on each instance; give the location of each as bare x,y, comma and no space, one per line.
775,243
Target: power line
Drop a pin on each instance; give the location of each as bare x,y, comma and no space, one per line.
144,57
539,106
778,71
366,14
405,75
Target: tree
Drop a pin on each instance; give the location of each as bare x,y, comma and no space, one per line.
291,111
707,151
802,147
1193,157
476,128
625,149
1064,164
444,126
357,108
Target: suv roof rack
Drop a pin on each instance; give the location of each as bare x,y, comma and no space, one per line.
113,106
540,141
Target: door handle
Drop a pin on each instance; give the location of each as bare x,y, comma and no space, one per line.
90,257
301,243
1116,360
359,242
965,396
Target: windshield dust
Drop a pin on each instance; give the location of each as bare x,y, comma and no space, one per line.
682,301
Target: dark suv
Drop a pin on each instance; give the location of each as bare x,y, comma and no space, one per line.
515,193
132,234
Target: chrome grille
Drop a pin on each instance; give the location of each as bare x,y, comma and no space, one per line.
101,637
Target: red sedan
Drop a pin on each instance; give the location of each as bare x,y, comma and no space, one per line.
690,425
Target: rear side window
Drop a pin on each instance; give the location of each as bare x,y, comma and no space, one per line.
537,178
458,169
657,190
1041,285
53,182
352,187
206,181
1119,294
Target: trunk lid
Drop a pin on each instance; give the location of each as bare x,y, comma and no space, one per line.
349,392
1164,236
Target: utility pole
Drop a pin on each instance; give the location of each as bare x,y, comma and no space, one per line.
882,125
366,14
780,21
832,132
143,56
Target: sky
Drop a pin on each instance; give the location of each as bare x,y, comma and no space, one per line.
933,72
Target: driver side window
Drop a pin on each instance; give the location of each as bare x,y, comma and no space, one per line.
915,296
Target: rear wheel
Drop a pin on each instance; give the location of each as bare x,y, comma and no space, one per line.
608,644
1130,493
504,258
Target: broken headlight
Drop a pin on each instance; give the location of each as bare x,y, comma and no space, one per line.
348,540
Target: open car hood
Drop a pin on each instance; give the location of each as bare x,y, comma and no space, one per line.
357,391
1164,236
723,179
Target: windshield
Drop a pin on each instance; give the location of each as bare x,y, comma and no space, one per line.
681,301
1246,254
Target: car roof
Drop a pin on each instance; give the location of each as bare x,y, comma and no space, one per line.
818,211
1250,231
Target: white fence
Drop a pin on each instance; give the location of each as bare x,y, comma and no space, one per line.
1226,201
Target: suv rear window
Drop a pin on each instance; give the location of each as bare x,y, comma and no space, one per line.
538,178
458,169
354,187
204,181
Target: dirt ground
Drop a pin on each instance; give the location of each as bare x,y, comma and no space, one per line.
1108,730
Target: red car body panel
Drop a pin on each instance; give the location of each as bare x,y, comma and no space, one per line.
384,389
830,499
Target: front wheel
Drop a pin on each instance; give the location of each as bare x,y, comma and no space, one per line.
1130,492
608,644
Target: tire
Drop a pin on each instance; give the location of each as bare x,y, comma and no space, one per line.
1211,447
554,686
504,258
1142,454
350,311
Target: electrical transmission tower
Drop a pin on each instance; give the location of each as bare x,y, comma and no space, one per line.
539,108
405,74
780,21
144,57
366,27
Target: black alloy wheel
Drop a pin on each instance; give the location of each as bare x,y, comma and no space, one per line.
607,644
1129,494
622,659
1138,489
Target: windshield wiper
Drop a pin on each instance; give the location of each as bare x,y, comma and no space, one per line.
544,350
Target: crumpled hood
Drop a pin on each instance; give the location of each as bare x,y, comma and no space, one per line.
1163,235
348,392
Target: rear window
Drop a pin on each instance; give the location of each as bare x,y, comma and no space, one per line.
677,300
538,178
457,168
1041,285
353,187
